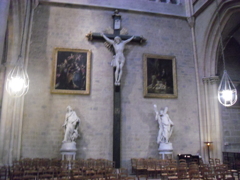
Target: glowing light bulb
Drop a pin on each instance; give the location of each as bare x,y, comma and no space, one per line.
16,84
227,95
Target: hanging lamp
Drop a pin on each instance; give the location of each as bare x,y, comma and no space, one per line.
227,92
17,83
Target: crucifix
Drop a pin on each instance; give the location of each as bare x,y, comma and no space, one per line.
116,46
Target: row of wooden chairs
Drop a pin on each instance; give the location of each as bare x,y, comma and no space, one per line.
72,174
172,169
80,169
27,163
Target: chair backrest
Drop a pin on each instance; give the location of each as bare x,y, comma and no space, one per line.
141,163
3,173
193,174
194,166
211,161
217,161
208,174
182,160
182,172
151,164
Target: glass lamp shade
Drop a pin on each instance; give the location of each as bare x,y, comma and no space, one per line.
227,93
17,84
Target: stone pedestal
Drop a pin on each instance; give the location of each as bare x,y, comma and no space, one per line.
165,150
68,151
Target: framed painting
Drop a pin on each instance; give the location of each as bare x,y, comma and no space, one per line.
160,77
71,71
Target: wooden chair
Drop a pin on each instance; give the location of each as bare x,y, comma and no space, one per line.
46,162
123,173
183,165
26,163
211,162
16,175
111,174
46,173
217,161
193,166
64,174
53,162
141,168
237,165
219,172
173,161
161,168
77,174
3,173
151,168
194,174
30,174
182,173
172,172
133,165
182,160
208,174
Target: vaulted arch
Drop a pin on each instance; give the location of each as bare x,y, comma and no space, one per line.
224,23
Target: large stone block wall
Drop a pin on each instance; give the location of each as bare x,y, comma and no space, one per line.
57,26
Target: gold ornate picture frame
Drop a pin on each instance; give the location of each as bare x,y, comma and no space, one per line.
71,71
160,76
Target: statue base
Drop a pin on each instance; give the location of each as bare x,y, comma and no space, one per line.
68,151
165,150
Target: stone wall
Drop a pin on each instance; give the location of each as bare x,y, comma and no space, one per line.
44,113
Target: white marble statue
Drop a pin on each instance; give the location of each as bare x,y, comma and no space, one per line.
71,125
118,59
165,125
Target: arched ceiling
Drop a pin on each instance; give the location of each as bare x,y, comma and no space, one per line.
232,29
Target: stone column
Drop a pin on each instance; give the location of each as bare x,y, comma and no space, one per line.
216,119
211,126
4,9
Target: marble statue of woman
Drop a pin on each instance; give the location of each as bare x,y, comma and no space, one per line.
165,125
71,125
118,58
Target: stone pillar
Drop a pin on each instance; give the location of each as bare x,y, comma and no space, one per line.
216,119
211,127
4,9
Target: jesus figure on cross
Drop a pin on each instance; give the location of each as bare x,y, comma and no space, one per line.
118,59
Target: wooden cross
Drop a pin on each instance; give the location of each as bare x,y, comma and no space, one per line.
117,28
117,94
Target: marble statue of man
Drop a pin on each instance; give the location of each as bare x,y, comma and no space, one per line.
165,125
118,59
71,125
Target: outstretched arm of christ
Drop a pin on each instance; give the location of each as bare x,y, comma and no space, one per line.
128,40
107,39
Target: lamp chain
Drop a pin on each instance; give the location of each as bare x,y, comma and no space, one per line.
227,93
23,32
221,39
17,83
